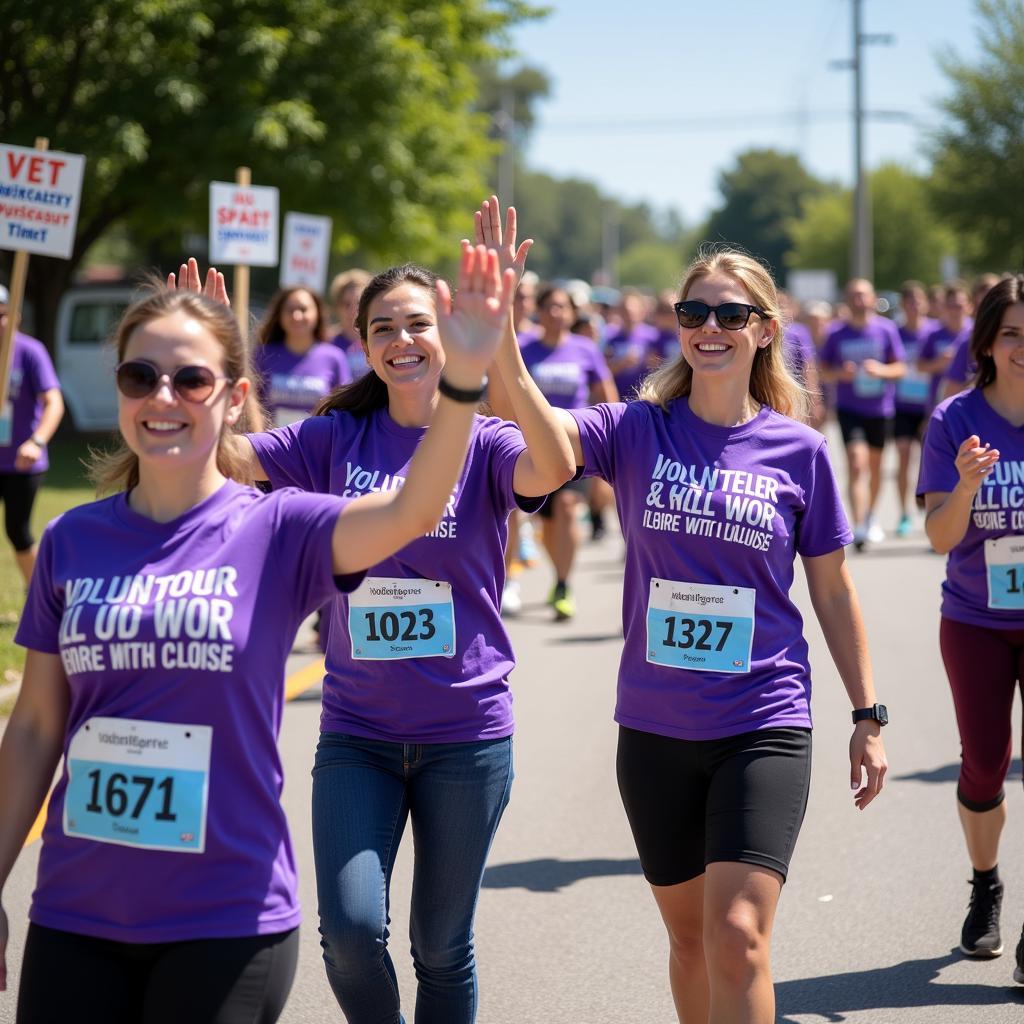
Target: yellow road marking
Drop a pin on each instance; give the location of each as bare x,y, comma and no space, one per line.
297,683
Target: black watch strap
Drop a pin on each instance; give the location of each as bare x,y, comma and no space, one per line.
877,713
462,394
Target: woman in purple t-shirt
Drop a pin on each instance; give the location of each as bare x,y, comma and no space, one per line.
417,712
296,368
158,625
972,471
718,490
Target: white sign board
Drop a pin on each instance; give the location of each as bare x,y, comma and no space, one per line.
39,195
243,224
812,285
307,248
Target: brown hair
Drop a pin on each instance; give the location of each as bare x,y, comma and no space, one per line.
117,469
987,321
370,393
771,383
270,331
354,278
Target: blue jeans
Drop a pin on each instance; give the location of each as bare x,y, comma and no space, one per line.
363,792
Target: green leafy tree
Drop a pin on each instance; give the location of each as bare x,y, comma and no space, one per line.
359,109
978,152
761,195
654,266
909,239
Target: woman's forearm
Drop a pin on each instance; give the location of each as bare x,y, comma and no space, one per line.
947,521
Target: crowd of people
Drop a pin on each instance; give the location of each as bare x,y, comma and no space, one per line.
389,469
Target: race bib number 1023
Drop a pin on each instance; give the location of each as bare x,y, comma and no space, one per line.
139,783
392,619
700,627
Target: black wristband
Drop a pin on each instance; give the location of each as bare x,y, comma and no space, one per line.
461,394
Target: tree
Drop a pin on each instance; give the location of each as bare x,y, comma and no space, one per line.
761,195
978,153
360,109
910,240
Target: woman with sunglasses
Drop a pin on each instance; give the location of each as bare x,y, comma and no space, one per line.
295,365
157,628
971,465
718,489
417,712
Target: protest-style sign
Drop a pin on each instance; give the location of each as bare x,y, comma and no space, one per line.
243,224
307,248
39,196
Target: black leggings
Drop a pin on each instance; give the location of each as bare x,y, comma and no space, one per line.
18,493
69,977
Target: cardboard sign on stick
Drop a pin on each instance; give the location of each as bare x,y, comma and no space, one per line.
307,247
39,196
243,224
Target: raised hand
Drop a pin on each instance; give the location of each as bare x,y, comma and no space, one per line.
974,462
190,280
487,221
471,332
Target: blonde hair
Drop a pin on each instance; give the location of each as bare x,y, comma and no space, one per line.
771,382
341,283
117,469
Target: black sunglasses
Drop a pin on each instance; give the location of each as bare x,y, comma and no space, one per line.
137,378
733,316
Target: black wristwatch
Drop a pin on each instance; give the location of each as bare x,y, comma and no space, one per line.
877,713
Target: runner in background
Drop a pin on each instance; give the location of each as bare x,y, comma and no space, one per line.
940,346
166,883
912,393
864,357
802,360
570,371
344,293
971,467
295,368
663,318
962,369
34,410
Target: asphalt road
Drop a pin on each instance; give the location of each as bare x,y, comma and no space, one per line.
567,931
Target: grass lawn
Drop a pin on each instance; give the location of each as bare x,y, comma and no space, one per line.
64,487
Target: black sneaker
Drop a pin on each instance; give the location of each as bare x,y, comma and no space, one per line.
980,935
1018,971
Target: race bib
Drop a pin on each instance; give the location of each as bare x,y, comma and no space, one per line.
138,783
914,388
1004,566
866,386
6,425
700,627
390,619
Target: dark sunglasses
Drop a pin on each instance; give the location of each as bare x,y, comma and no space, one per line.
733,316
138,379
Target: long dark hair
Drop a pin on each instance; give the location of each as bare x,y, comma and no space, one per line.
987,320
370,393
270,331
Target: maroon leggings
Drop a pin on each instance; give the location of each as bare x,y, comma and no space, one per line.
984,666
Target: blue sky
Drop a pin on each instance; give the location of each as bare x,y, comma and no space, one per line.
651,99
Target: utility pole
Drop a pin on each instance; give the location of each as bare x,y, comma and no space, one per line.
506,122
862,263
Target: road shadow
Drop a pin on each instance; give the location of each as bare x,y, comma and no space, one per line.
913,983
548,874
951,773
587,638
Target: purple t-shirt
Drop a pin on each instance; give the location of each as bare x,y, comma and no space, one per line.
713,519
666,346
352,349
962,368
32,373
799,351
939,342
291,384
879,339
914,390
444,677
984,583
188,622
638,343
566,373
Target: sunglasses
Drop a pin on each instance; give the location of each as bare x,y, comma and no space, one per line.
733,316
138,379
